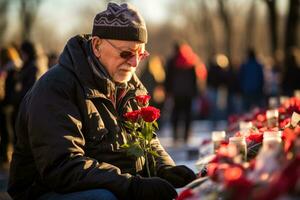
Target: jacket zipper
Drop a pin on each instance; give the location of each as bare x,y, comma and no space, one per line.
128,95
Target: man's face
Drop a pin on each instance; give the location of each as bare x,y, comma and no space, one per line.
119,57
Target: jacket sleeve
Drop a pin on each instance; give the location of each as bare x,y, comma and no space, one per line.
57,143
164,159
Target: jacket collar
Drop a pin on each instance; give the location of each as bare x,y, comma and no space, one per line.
77,56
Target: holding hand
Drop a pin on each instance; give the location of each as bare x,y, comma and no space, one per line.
178,176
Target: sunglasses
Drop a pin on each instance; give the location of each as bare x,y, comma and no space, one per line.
129,54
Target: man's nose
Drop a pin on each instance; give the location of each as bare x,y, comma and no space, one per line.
134,60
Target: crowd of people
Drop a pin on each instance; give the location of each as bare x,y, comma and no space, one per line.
193,90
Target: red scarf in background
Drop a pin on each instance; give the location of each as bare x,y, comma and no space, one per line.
186,58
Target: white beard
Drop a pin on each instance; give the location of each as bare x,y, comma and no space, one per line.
122,77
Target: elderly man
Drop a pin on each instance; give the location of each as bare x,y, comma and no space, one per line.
69,131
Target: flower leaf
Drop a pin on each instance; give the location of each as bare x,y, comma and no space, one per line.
134,149
126,145
155,125
141,136
129,125
155,154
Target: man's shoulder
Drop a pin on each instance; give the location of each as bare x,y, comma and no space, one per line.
58,73
57,77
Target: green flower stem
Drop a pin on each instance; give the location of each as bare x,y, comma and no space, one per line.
146,159
154,163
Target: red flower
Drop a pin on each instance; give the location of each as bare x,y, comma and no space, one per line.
233,173
143,100
256,137
261,117
263,129
226,152
292,105
212,169
224,143
289,136
239,187
205,142
284,123
150,113
236,181
185,194
132,116
233,119
281,110
238,134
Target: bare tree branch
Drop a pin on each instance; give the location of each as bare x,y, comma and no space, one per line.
3,18
28,12
291,30
209,33
273,24
227,27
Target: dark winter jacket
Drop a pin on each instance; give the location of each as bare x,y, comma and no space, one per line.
69,130
251,77
24,80
181,77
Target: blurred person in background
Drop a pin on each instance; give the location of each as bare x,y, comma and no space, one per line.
10,63
234,104
181,86
52,59
290,80
251,79
217,87
25,77
69,128
272,79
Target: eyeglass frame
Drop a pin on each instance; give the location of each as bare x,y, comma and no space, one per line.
128,54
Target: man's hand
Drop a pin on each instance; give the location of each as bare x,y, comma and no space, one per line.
151,188
178,176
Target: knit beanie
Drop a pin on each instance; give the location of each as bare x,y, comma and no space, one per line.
120,22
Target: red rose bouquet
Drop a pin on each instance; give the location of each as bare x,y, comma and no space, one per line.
141,124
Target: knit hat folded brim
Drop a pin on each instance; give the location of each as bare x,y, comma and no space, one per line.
121,33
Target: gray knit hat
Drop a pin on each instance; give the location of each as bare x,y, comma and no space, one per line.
120,22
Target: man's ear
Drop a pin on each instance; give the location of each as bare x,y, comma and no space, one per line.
96,42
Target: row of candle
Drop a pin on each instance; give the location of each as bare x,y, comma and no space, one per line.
271,139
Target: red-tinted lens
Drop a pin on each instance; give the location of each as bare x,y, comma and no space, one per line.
126,54
144,55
